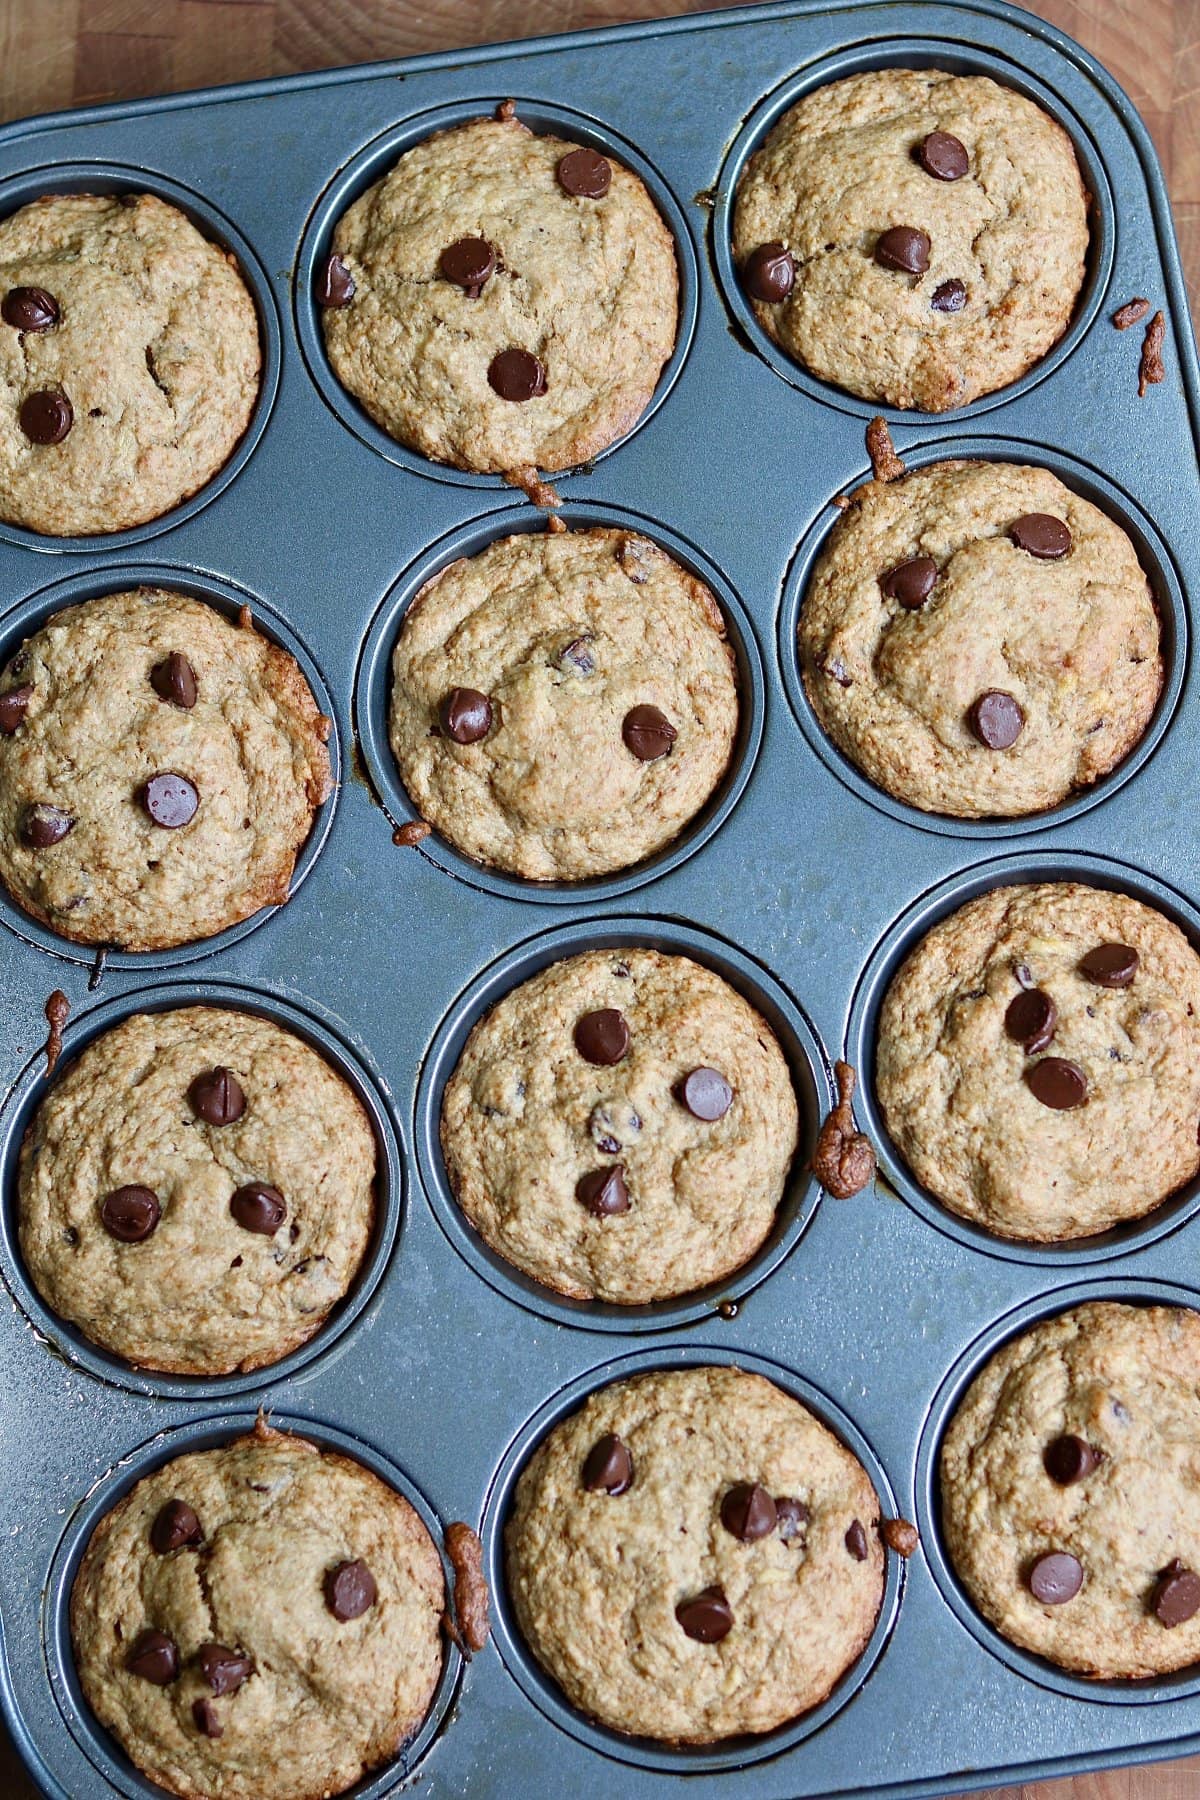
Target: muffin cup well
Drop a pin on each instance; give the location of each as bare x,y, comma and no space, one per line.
373,689
324,1036
543,1690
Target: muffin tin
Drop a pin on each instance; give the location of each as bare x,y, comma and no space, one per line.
800,882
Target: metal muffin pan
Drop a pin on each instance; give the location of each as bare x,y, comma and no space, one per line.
800,882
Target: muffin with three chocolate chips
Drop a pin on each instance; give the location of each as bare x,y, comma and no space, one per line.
563,704
129,361
913,236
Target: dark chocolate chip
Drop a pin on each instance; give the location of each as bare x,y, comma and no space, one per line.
170,800
13,707
943,156
1069,1459
465,715
1176,1596
175,1525
1055,1578
577,658
647,733
706,1094
856,1541
29,309
707,1618
44,825
602,1037
46,416
516,375
996,719
217,1097
1041,535
350,1590
155,1657
949,296
585,174
792,1516
1110,965
130,1214
769,274
1057,1083
1030,1019
608,1467
748,1512
222,1668
258,1207
469,262
174,680
911,583
603,1191
335,283
903,248
204,1717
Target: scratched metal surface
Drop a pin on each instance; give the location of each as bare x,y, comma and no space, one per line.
803,887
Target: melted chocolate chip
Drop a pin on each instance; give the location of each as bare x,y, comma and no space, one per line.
769,273
516,375
1110,965
45,825
13,707
470,263
602,1037
949,296
707,1618
911,583
29,309
335,283
706,1094
204,1717
258,1207
465,715
943,156
584,174
174,680
1041,535
647,733
217,1097
603,1191
46,416
222,1668
996,719
856,1541
1176,1595
350,1590
903,248
748,1512
608,1467
155,1657
1055,1578
1030,1019
175,1525
1069,1459
170,800
1057,1083
130,1214
792,1516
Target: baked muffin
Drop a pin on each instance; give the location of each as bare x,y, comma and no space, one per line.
692,1556
129,361
159,770
913,236
563,705
980,640
1038,1060
261,1618
197,1191
620,1127
1071,1490
502,300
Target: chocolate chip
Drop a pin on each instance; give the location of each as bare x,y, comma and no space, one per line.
217,1097
350,1590
748,1512
1057,1083
465,715
856,1541
1110,965
603,1191
576,657
170,800
792,1516
602,1037
29,309
608,1467
46,416
1041,535
222,1668
1030,1019
155,1657
706,1094
130,1214
943,156
911,583
175,1525
13,707
204,1717
516,375
996,719
469,262
647,733
44,825
335,283
174,680
1055,1578
585,174
949,296
259,1208
707,1618
769,273
903,248
1069,1458
1176,1596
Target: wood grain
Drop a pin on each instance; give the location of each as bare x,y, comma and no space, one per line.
56,53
